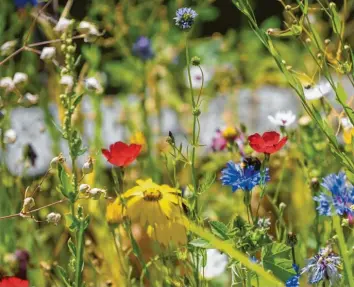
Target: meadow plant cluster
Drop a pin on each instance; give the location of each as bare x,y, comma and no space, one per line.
146,205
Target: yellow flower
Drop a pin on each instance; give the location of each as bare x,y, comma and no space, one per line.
159,209
114,212
229,133
348,135
139,138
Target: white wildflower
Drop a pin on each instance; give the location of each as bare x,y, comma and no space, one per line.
93,84
89,29
216,264
62,25
7,83
282,118
53,218
346,123
28,100
10,136
317,91
28,204
20,78
48,53
84,188
67,80
196,76
8,47
95,193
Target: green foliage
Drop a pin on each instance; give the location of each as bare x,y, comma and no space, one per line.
276,258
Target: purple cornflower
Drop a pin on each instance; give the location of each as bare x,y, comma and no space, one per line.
23,3
341,197
244,177
142,48
185,18
323,266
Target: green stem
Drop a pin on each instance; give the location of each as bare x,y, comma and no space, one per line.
79,254
343,251
194,138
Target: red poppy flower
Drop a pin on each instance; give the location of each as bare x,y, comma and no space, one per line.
13,282
269,142
121,154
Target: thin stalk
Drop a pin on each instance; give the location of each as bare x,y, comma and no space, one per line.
194,138
79,254
343,251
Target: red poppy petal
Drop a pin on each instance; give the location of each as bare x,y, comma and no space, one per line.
118,147
271,138
282,143
106,153
255,139
13,282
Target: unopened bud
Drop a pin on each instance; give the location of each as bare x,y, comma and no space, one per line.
308,40
327,41
53,218
291,239
287,7
346,47
95,193
84,188
195,61
56,160
87,168
28,204
282,206
10,136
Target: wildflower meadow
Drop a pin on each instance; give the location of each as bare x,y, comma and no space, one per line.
176,143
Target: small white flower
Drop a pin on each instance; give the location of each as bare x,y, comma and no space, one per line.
317,91
53,218
89,29
62,25
346,123
196,76
20,78
84,188
8,47
60,159
95,193
216,264
28,100
93,84
48,53
67,80
282,118
7,83
10,136
264,222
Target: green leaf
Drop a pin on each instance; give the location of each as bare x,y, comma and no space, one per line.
62,274
77,100
65,186
276,257
72,247
208,13
335,19
219,229
341,94
200,243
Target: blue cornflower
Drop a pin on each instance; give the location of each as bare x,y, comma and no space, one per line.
341,198
23,3
142,48
293,281
242,177
185,18
323,266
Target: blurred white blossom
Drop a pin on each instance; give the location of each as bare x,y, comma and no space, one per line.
8,47
196,76
67,80
48,53
282,118
93,84
7,83
62,25
89,29
28,100
10,136
20,78
53,218
317,91
216,264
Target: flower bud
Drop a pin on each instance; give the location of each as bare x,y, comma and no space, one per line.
95,193
53,218
28,100
282,206
291,239
195,61
10,136
287,7
87,168
346,47
56,160
20,78
28,204
84,188
48,53
327,41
